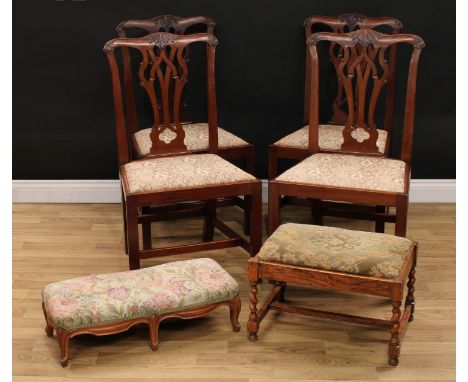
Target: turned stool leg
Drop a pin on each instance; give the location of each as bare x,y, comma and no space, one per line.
234,311
154,332
252,324
410,296
394,344
63,338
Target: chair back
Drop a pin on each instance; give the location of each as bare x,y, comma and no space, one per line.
363,71
163,73
345,23
164,23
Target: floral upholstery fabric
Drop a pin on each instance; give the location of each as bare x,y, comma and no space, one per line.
330,138
336,249
183,171
196,138
113,297
349,171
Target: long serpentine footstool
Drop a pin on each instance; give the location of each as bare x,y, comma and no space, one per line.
341,260
112,303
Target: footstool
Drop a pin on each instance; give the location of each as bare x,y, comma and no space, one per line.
112,303
338,259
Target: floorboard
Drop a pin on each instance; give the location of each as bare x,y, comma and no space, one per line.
54,242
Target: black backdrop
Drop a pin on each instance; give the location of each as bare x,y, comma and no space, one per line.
63,123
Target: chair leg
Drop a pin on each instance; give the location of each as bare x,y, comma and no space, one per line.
410,300
124,213
154,332
380,225
272,163
208,224
401,216
316,211
234,311
247,204
280,297
63,339
252,324
394,344
146,230
256,218
132,236
273,209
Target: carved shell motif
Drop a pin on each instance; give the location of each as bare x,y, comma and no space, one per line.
212,40
166,22
365,37
351,19
161,39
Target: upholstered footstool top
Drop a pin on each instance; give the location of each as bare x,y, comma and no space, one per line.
337,249
103,299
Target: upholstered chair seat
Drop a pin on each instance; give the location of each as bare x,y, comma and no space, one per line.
336,249
196,138
330,138
182,171
114,297
349,172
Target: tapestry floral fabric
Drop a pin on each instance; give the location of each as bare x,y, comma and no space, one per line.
330,138
336,249
183,171
113,297
349,171
196,138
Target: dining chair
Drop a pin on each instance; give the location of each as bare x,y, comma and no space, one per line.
171,174
358,173
231,146
294,145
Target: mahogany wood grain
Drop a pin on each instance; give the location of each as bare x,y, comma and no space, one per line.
347,22
363,53
163,68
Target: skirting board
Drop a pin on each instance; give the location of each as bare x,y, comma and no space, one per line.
108,191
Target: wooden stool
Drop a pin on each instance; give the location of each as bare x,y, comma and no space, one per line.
114,302
338,259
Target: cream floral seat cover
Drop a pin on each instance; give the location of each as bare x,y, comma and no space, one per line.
196,138
113,297
182,171
349,171
330,138
336,249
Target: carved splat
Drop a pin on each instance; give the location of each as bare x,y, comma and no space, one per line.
163,73
344,23
363,70
164,23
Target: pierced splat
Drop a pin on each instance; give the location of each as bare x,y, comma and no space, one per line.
163,74
164,23
363,71
345,23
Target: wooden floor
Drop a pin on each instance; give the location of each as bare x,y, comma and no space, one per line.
56,242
